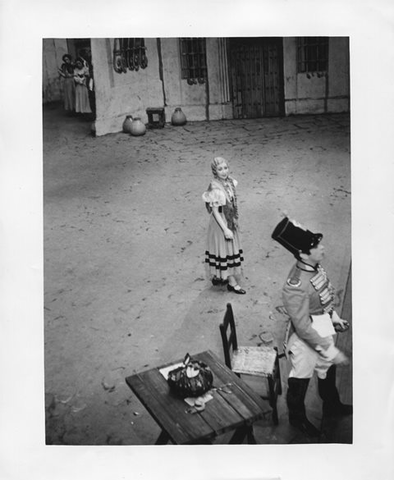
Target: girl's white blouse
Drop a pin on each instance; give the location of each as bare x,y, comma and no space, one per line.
215,196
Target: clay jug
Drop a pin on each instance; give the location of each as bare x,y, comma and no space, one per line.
137,127
178,117
127,123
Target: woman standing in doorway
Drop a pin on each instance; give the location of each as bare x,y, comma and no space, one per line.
224,255
67,72
81,78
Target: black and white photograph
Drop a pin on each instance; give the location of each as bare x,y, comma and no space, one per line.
192,214
160,205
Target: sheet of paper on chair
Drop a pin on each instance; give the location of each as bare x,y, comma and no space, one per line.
166,370
254,360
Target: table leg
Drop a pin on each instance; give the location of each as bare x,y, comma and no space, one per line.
273,399
163,438
241,433
250,435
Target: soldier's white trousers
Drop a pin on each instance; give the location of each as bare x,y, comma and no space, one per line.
305,360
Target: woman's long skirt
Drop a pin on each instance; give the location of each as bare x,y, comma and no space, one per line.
69,94
82,104
222,257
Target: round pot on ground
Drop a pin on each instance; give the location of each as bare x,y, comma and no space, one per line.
178,117
127,123
137,127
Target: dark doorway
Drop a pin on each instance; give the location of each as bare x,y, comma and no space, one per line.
81,47
256,73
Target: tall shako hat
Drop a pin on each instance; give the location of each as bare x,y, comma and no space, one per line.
295,237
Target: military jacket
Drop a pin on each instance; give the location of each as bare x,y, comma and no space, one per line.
307,293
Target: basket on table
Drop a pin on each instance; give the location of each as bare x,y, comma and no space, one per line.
192,379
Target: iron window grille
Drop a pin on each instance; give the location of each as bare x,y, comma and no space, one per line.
129,54
193,60
312,54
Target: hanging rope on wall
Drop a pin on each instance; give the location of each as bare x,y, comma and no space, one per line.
129,54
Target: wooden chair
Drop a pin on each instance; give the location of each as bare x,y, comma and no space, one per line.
260,361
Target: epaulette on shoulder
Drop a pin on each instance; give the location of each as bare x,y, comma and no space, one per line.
294,280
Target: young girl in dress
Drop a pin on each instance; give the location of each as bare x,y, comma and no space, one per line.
224,255
67,72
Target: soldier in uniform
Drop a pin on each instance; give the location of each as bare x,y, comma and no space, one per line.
308,299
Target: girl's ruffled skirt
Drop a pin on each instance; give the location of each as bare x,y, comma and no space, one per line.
222,257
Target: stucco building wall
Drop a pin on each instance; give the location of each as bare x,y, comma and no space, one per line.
52,85
339,77
317,94
178,93
133,92
121,94
161,85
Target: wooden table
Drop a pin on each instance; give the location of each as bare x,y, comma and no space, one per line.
235,407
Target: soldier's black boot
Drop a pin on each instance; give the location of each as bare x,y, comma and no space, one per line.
332,406
296,404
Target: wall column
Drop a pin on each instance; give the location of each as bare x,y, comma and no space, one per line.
217,65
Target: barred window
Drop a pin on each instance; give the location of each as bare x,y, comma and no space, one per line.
129,54
312,54
193,60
